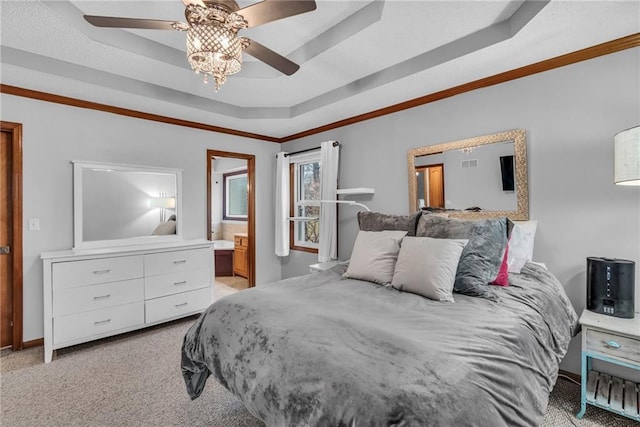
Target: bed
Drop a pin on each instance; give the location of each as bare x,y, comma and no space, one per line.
325,349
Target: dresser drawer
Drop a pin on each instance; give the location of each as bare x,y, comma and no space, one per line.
177,305
94,297
97,323
613,345
174,283
94,271
172,262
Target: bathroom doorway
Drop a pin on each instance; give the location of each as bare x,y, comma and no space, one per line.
231,218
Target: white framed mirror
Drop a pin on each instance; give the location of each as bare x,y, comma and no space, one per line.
120,205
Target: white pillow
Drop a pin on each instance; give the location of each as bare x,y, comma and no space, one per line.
427,266
521,244
374,256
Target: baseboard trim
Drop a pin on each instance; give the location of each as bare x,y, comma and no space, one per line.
33,343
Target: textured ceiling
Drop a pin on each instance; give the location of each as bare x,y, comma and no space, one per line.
355,56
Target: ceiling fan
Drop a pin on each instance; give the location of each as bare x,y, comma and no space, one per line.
213,45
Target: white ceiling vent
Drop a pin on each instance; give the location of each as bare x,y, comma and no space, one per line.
473,163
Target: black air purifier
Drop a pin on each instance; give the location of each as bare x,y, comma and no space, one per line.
610,286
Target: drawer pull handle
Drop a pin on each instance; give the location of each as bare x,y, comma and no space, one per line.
102,297
181,305
613,344
102,322
101,271
184,282
182,261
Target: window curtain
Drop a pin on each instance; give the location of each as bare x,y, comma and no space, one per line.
282,205
329,158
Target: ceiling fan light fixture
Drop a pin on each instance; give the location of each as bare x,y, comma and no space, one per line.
214,50
213,46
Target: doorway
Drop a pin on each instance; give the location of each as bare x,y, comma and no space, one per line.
231,218
11,236
430,186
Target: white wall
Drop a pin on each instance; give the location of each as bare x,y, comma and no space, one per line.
53,135
570,115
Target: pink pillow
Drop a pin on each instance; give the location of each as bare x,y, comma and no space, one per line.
502,279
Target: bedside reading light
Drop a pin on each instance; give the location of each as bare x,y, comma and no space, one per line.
627,157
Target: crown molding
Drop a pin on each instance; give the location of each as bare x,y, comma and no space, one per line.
80,103
602,49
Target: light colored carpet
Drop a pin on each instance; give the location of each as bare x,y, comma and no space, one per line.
220,289
134,380
236,282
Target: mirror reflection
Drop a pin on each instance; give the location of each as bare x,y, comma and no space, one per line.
477,177
116,204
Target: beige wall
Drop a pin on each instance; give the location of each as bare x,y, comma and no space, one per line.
228,230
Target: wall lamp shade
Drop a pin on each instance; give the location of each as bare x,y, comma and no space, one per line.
627,157
163,202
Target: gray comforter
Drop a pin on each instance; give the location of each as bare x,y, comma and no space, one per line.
325,350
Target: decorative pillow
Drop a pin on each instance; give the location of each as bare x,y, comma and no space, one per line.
521,244
429,226
481,258
502,279
427,266
165,228
374,221
374,256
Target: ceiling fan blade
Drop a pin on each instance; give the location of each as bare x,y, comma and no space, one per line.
272,10
271,58
147,24
194,2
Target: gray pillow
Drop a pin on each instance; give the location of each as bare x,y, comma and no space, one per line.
165,228
374,221
427,266
481,258
374,256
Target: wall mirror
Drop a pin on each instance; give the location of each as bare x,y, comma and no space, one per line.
118,205
481,177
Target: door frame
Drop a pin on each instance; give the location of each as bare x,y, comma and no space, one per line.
15,131
425,169
251,217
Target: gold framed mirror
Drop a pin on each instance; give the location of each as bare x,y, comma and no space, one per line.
480,177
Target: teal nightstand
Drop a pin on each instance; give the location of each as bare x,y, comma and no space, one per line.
613,340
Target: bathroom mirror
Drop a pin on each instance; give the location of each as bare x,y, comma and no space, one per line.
481,177
118,205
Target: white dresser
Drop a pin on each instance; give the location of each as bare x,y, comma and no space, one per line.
91,294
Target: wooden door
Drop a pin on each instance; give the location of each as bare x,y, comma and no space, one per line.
436,186
6,258
240,261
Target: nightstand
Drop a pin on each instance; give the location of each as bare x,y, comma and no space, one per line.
613,340
323,266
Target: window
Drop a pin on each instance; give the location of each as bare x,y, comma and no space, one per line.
305,189
234,196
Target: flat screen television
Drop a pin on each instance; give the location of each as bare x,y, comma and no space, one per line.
506,169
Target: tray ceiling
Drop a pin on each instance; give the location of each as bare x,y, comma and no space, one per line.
355,56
